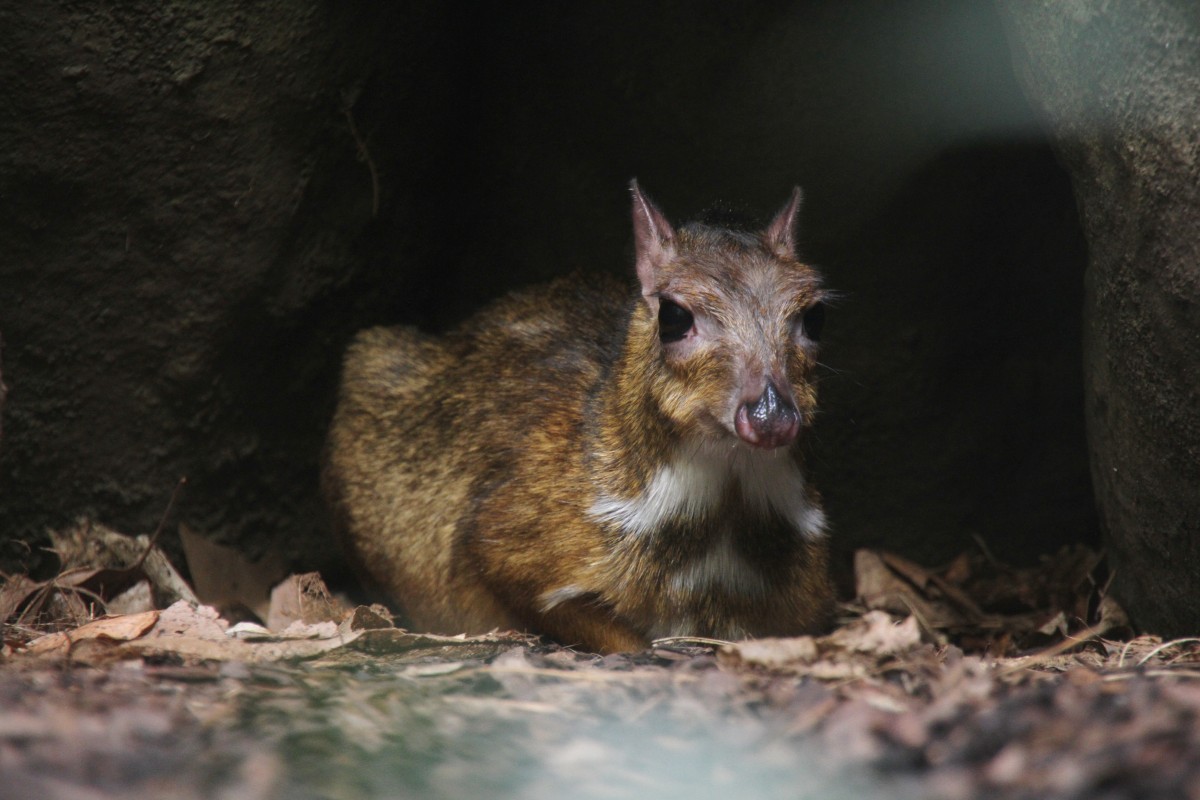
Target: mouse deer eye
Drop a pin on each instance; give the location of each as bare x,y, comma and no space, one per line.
674,321
812,321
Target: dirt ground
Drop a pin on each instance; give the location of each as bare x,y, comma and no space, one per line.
992,682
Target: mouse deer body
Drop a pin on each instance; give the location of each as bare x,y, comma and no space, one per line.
598,464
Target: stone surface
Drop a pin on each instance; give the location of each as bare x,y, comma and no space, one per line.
1119,84
178,190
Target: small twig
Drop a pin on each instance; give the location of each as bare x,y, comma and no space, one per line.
162,523
42,596
918,611
1068,642
1112,574
690,640
1164,646
987,553
1124,652
1162,672
85,592
364,157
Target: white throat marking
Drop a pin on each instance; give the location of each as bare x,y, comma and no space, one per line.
693,483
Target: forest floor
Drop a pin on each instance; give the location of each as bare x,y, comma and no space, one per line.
974,680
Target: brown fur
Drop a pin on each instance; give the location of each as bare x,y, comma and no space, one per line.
464,471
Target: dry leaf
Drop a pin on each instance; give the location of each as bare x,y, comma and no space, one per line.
887,583
102,570
1055,625
235,650
877,634
112,562
837,670
134,600
119,629
773,654
911,571
250,632
185,620
302,598
14,594
852,651
984,605
366,618
200,633
309,630
1112,616
224,578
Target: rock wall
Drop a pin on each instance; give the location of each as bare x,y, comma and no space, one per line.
1119,84
178,186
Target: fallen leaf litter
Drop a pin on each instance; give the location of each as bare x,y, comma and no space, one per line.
973,680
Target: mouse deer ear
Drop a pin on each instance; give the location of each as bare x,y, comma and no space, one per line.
781,233
653,239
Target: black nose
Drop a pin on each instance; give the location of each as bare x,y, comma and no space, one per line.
768,422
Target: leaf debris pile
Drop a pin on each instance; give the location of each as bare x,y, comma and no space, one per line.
972,680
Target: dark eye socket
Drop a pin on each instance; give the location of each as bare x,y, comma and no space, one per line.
812,321
674,321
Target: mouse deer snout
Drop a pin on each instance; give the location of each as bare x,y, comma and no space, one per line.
769,421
